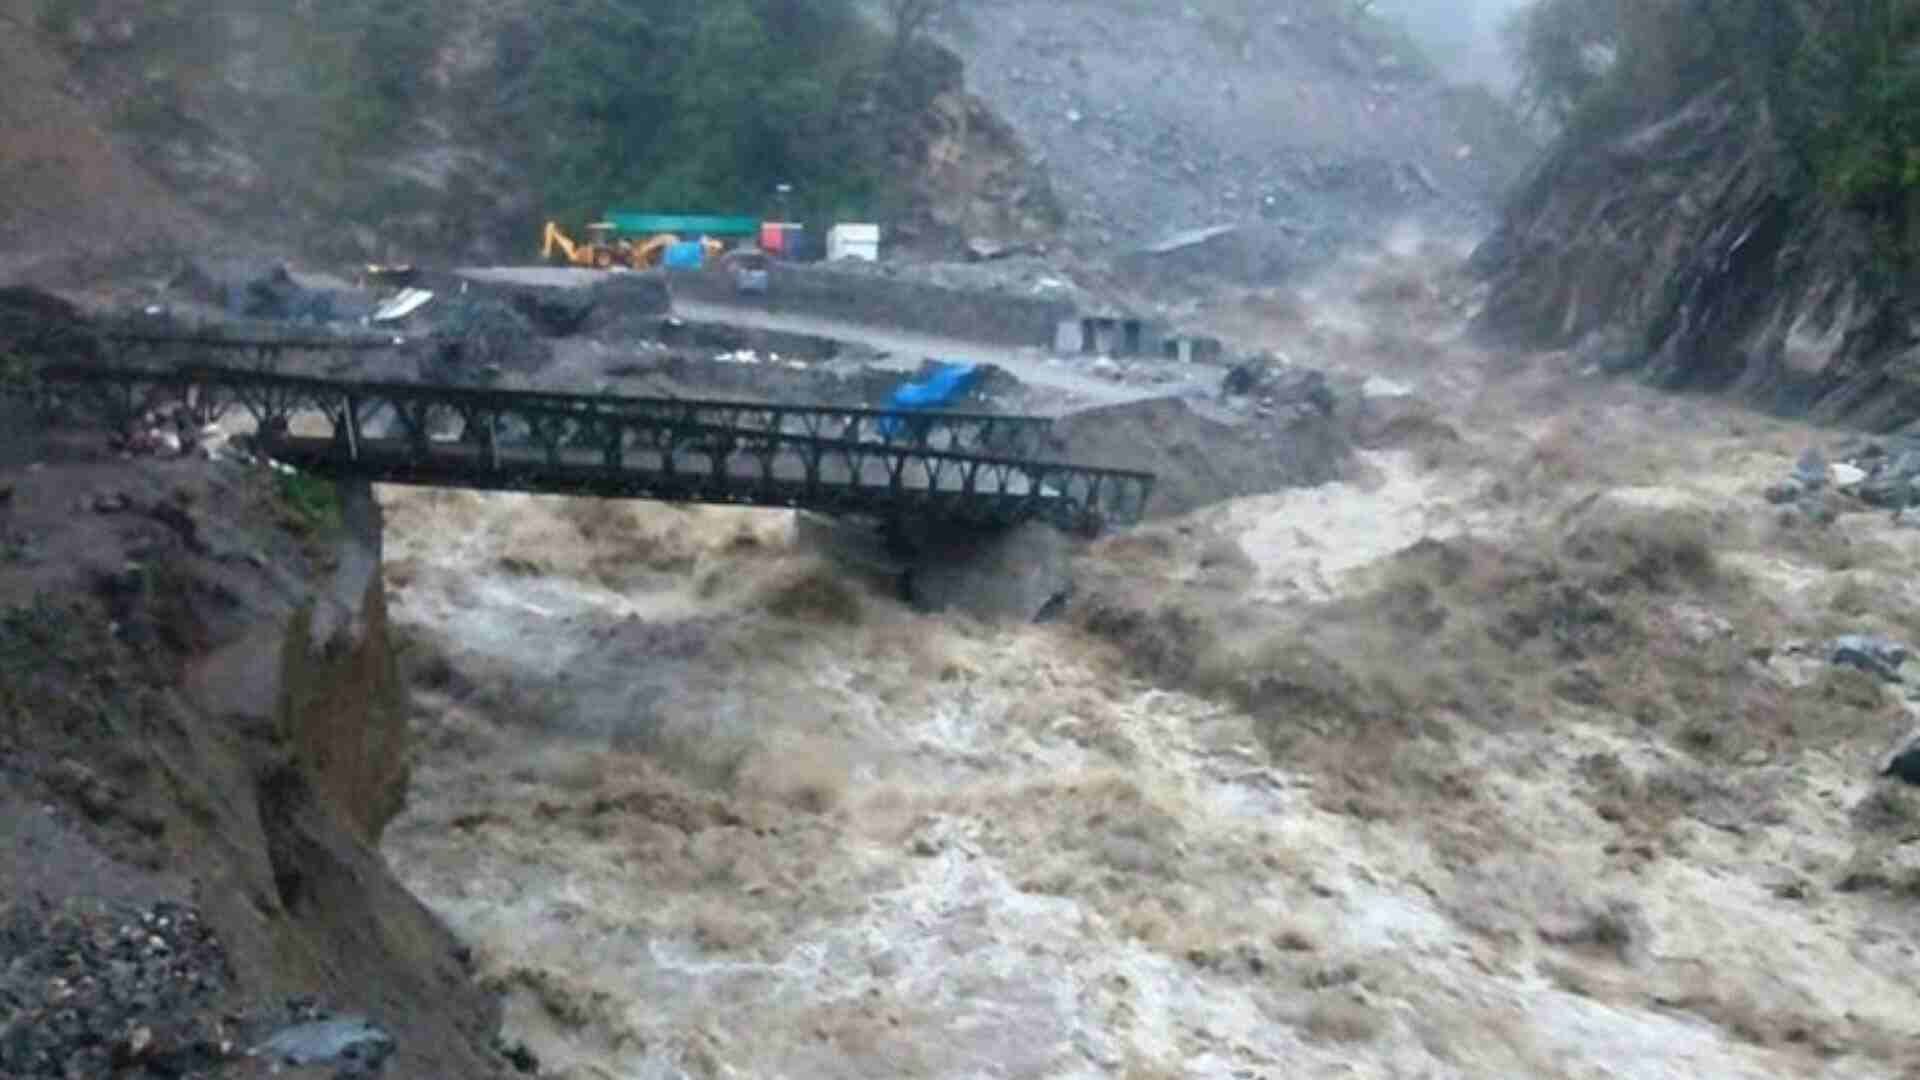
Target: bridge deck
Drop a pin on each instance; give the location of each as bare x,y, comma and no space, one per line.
971,468
784,479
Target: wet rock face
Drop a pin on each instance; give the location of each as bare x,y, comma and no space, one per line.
1673,251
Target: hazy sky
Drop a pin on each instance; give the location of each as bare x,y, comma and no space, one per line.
1463,36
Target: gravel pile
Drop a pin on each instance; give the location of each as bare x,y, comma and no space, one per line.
1020,275
476,337
105,990
88,992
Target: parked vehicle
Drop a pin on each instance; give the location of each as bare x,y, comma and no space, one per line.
752,270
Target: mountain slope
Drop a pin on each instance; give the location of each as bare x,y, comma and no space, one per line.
72,190
367,131
1156,118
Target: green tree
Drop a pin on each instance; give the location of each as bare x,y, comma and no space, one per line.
704,106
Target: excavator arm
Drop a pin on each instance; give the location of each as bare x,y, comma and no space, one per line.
553,239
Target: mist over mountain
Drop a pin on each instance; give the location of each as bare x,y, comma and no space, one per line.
1463,37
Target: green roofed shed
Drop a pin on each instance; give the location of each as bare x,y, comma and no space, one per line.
635,223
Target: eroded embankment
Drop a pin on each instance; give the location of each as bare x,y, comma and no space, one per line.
204,737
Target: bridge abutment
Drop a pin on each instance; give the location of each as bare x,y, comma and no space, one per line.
996,575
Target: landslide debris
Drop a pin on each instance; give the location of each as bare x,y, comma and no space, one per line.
1303,123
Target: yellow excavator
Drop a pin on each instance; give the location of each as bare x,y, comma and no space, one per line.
603,250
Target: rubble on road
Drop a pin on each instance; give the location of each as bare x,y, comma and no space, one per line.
476,336
254,290
1021,274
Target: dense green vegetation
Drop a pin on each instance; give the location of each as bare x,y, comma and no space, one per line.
1838,81
311,504
665,104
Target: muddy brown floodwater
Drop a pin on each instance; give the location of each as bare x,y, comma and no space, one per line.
705,809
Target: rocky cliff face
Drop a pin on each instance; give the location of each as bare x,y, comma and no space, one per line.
1674,252
202,733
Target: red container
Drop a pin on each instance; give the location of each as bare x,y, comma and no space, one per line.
773,238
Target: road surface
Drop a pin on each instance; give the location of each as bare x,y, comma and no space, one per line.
907,349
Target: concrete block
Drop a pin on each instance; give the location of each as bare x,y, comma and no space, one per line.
996,576
1002,576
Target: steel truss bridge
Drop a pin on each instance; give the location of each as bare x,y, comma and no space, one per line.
978,470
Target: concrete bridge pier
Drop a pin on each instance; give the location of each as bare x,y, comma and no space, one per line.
995,575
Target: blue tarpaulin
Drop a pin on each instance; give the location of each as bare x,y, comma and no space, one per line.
949,380
685,255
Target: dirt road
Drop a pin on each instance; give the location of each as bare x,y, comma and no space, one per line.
1077,387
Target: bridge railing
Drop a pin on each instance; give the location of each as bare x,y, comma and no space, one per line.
274,398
